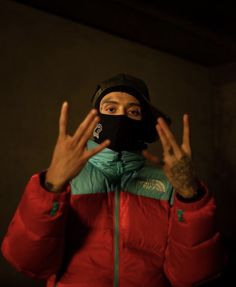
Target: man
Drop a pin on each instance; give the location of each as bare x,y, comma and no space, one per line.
99,216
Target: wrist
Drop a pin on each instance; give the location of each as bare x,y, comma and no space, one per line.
199,192
187,193
53,185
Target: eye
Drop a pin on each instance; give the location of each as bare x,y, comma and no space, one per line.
110,109
135,113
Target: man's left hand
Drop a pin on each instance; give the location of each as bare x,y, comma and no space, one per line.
177,158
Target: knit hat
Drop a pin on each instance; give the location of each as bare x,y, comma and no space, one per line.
137,88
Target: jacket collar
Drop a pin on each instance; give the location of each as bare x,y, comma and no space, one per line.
114,163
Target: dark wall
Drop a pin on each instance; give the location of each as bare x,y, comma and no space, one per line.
46,60
223,81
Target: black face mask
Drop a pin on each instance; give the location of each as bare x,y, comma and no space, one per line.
123,132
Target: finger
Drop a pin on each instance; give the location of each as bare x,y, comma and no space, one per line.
63,121
186,135
85,124
150,157
164,141
170,137
88,132
98,148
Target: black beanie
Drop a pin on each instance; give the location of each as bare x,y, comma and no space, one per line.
137,88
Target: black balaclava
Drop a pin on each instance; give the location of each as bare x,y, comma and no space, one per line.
126,133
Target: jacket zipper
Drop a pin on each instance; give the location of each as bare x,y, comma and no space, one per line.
116,239
116,226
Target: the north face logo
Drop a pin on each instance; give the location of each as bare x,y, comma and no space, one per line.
152,184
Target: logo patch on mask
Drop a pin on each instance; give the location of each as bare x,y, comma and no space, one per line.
97,131
152,184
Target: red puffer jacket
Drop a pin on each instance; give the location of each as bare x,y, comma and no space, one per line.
117,224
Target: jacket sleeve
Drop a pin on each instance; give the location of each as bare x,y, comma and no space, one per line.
194,252
35,237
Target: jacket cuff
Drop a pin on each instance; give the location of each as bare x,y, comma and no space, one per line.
43,212
195,203
61,194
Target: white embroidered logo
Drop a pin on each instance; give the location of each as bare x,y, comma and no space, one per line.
153,184
97,131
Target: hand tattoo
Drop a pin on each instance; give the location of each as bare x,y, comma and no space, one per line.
183,177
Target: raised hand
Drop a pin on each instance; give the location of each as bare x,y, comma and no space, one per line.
177,158
70,153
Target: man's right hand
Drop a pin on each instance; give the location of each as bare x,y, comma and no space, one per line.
70,153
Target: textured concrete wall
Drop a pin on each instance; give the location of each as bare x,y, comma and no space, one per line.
224,176
223,83
45,60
